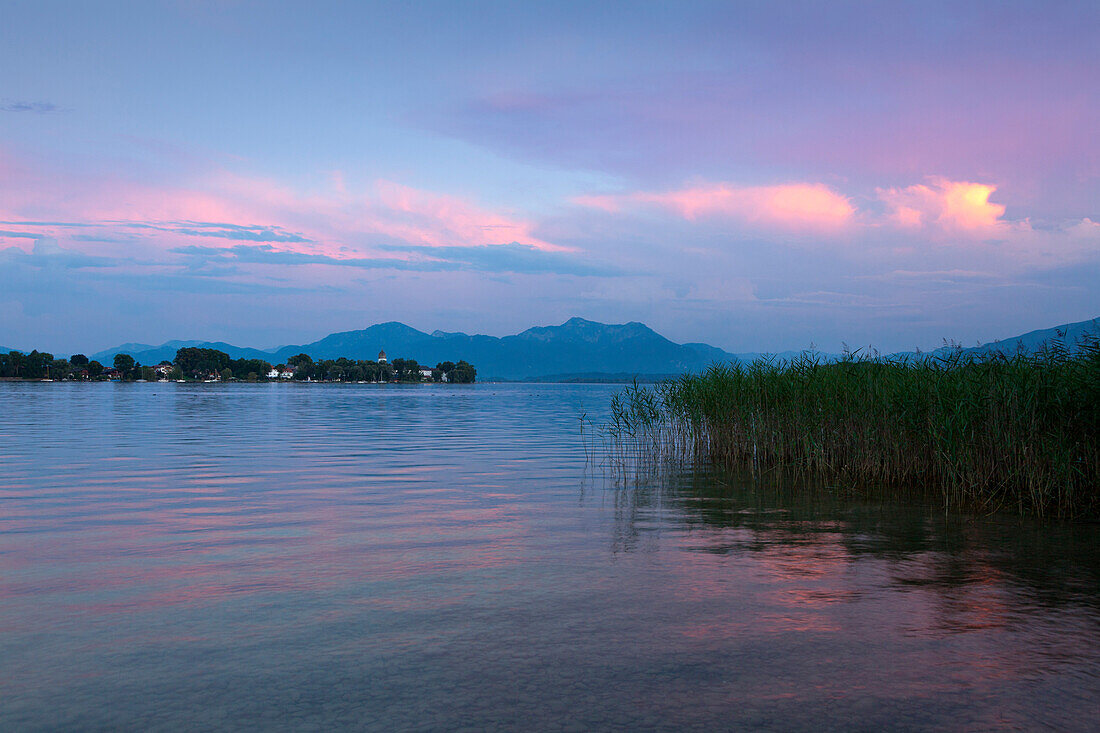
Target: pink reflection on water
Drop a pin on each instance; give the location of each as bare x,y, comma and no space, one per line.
201,542
815,585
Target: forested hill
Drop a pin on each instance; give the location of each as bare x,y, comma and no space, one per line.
150,354
577,348
1070,335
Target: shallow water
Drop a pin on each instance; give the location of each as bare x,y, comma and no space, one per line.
301,556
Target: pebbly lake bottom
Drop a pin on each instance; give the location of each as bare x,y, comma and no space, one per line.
424,557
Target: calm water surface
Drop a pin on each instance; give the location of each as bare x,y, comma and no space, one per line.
303,556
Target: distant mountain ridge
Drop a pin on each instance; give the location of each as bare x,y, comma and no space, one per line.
1071,335
149,354
576,349
577,346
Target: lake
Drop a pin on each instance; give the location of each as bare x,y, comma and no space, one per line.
270,556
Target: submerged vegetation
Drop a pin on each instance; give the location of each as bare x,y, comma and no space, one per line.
985,433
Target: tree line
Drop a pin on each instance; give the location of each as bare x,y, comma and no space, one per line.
400,370
43,365
78,367
194,363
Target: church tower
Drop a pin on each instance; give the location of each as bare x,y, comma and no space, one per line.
382,356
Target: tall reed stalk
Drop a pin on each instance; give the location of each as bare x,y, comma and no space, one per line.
987,433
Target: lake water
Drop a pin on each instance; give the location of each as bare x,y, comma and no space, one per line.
437,557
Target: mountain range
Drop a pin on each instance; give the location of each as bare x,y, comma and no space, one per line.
575,346
1071,334
576,350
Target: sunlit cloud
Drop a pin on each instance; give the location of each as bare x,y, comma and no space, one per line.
938,224
960,205
940,203
798,206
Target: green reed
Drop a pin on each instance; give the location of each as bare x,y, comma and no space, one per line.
987,433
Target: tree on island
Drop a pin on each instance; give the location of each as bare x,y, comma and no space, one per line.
197,363
300,360
463,373
302,364
127,367
35,365
124,362
406,370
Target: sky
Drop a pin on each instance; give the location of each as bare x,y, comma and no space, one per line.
759,176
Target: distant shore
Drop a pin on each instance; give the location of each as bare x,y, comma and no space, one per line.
193,364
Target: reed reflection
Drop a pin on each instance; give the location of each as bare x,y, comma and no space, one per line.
800,530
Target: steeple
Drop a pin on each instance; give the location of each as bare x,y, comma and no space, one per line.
382,356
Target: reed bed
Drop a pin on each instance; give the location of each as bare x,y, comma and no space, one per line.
987,433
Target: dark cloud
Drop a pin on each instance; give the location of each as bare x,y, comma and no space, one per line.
206,283
236,231
508,258
47,224
254,233
19,106
515,258
103,240
47,254
265,254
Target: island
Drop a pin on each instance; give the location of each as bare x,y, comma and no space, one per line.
193,364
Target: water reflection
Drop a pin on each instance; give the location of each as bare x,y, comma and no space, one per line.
284,556
802,529
900,600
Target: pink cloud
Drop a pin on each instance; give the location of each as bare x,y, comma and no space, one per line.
387,210
957,205
440,221
335,222
933,218
940,204
796,206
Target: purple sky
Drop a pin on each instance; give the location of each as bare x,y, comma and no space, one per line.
759,176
